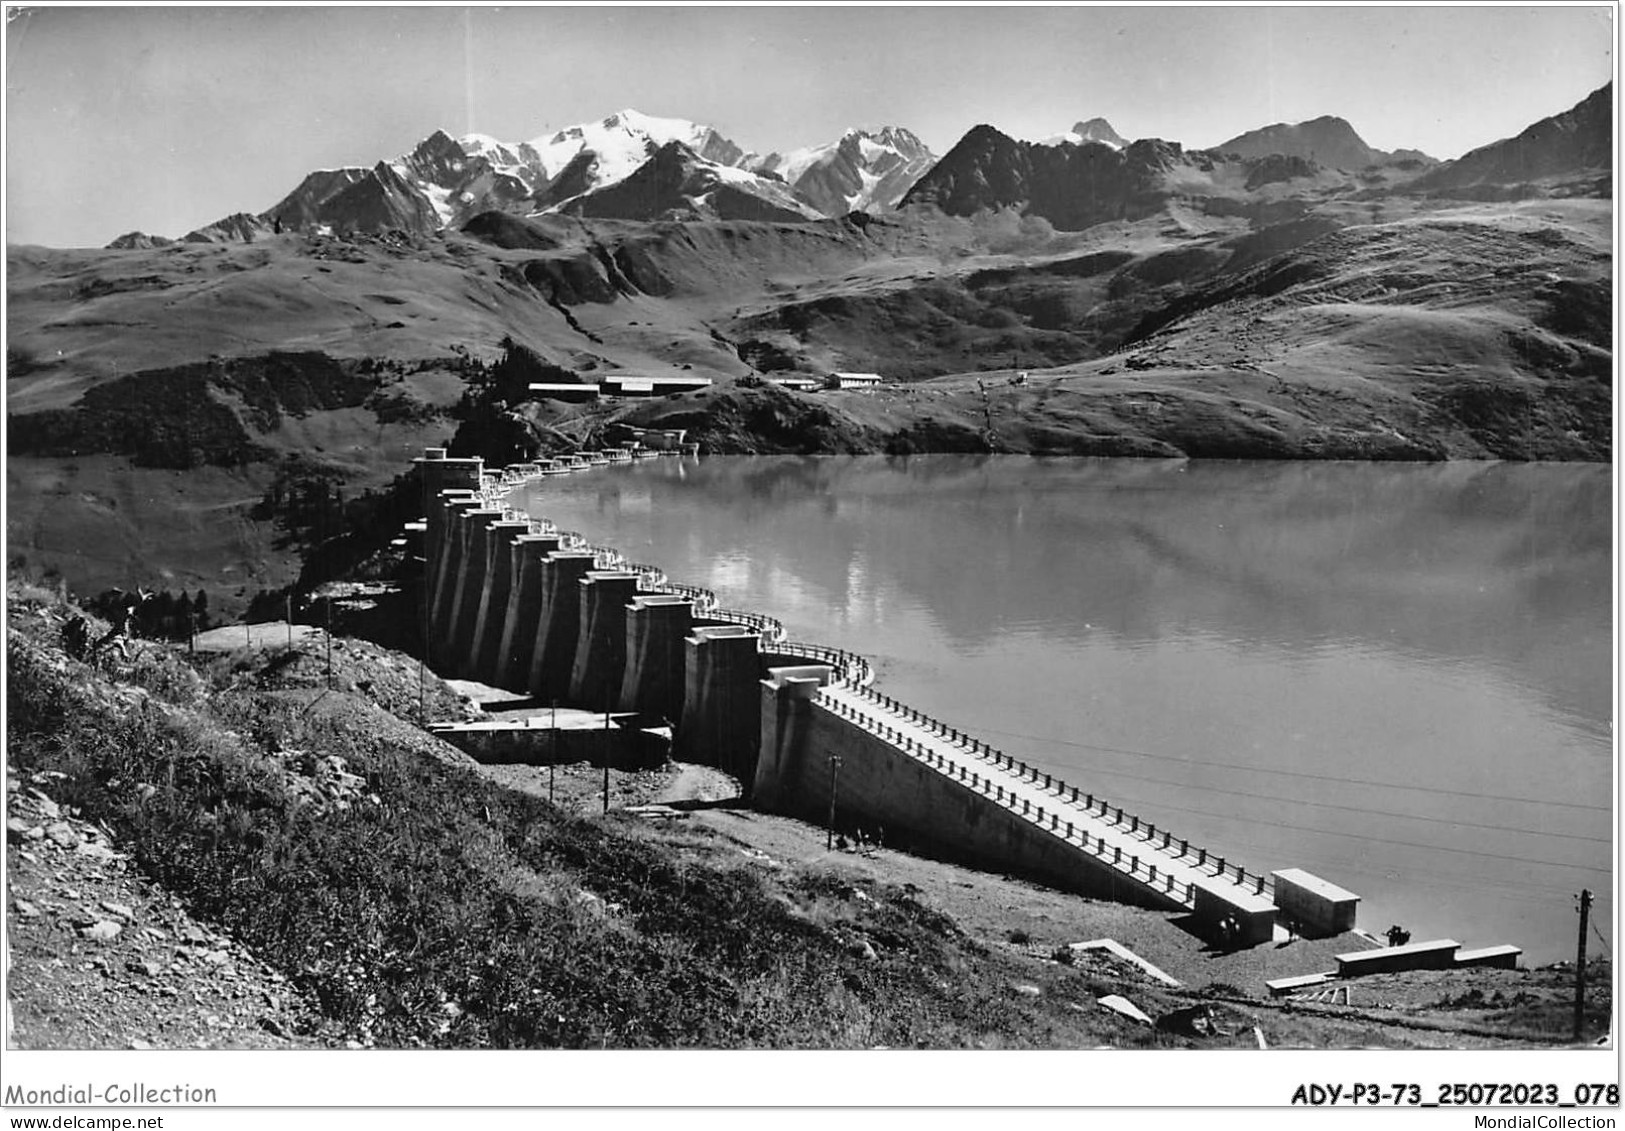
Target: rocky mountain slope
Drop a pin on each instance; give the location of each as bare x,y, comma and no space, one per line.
1071,186
862,171
1575,148
1327,141
676,183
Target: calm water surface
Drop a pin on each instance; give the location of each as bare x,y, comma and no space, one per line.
1398,677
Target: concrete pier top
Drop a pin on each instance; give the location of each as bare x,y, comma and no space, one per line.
656,600
1234,895
1313,883
1408,950
720,632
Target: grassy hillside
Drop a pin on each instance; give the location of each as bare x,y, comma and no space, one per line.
1352,326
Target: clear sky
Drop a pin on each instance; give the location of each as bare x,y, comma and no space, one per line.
166,119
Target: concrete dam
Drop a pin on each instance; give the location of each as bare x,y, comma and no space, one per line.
513,602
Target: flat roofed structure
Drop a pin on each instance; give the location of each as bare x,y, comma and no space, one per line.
1505,957
1315,906
1436,954
1253,915
645,385
853,380
799,383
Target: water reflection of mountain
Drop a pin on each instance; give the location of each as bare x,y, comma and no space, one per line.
1492,563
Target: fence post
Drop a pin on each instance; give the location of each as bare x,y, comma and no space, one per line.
1201,859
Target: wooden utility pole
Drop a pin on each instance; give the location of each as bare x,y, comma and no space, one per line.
606,748
1580,962
834,764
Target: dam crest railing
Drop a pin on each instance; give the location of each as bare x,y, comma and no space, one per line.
1177,849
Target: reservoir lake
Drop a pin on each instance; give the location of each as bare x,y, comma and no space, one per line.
1397,676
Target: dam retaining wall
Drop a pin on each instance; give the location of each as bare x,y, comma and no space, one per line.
517,603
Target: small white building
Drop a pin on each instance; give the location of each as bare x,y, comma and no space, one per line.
798,384
852,380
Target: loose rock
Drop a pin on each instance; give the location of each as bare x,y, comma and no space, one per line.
103,931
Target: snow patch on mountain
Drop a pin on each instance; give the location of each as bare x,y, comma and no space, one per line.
1097,131
862,169
625,140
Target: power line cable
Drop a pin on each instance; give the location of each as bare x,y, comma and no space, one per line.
1384,840
1347,808
1295,773
1551,892
1455,880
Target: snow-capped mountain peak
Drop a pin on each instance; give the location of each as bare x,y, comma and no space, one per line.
443,181
862,169
625,140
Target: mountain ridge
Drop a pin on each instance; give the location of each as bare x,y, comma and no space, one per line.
445,181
